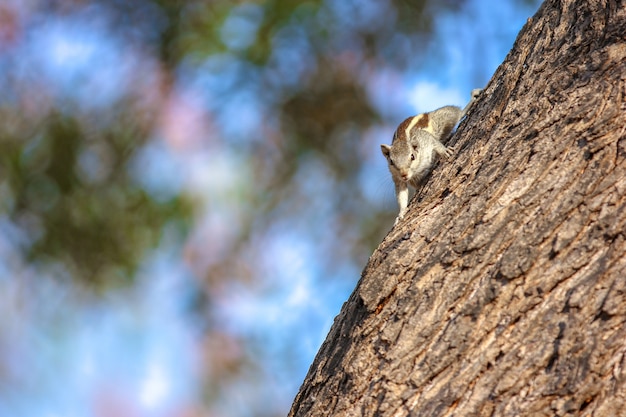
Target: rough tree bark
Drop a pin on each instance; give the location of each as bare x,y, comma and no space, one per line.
503,291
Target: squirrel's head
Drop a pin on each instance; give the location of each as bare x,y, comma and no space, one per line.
400,157
406,157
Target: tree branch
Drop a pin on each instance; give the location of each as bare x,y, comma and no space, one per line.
502,292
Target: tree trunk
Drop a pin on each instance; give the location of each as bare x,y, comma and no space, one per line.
503,290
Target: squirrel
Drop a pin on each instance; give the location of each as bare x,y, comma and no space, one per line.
417,143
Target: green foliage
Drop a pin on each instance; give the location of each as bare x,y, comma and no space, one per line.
90,216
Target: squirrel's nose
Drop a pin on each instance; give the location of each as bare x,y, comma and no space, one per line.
404,175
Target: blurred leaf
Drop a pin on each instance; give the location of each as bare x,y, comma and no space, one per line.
99,230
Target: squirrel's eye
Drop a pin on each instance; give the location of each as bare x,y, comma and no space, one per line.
412,157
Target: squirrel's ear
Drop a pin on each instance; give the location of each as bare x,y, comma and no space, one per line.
386,149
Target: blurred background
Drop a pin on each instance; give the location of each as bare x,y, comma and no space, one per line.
189,190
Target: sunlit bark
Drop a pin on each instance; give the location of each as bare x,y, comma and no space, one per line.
503,291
